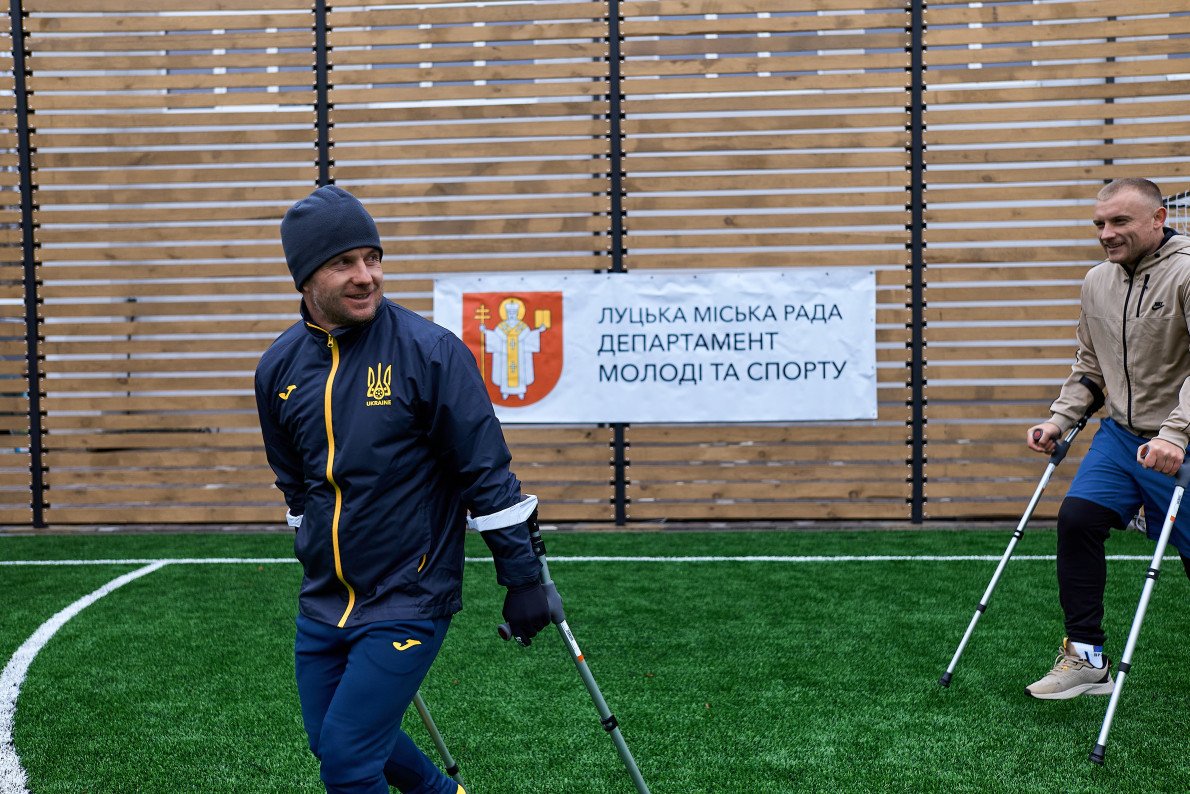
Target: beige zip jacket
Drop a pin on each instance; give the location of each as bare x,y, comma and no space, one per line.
1134,341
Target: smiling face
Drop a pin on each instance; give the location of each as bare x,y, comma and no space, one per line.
346,290
1131,226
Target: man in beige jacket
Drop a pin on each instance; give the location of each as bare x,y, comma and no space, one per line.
1133,340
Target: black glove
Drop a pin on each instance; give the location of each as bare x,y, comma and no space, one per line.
526,610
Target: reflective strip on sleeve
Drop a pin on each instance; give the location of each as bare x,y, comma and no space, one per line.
507,517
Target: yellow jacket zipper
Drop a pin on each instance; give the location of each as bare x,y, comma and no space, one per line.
330,477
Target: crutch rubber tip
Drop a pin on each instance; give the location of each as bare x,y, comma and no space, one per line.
945,679
1096,756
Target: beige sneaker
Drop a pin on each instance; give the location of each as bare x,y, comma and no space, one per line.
1072,676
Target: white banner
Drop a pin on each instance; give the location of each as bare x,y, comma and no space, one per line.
670,346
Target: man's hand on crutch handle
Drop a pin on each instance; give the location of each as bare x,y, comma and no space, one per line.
1161,455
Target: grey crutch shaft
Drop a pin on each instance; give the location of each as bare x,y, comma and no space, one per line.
1183,479
1059,454
452,769
987,594
1061,447
558,616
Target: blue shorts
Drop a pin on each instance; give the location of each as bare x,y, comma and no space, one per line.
1110,477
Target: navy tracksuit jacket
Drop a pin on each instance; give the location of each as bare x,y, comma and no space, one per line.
382,437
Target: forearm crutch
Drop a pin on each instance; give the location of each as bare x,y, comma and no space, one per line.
558,616
1061,447
452,768
1182,478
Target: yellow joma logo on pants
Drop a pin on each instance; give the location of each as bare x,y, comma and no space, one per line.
406,645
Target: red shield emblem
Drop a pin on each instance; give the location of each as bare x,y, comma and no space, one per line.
517,340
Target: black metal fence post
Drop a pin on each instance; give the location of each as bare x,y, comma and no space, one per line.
917,279
322,68
29,254
616,232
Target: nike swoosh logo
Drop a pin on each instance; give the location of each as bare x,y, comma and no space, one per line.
285,394
406,645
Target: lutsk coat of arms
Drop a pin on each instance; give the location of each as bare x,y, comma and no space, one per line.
517,340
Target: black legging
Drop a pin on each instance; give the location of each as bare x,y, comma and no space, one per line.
1083,528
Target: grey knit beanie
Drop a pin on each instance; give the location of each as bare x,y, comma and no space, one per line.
324,224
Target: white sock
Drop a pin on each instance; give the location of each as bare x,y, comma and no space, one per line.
1091,653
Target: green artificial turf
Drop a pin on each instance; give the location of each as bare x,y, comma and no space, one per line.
725,676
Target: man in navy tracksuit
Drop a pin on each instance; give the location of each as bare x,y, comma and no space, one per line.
381,434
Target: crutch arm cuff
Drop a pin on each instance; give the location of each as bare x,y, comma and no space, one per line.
512,551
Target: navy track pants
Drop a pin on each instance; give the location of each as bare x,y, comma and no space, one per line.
355,685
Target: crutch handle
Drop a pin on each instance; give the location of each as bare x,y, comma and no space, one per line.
1181,477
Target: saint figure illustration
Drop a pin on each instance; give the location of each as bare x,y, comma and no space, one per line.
512,344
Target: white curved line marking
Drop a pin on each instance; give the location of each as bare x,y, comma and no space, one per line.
12,774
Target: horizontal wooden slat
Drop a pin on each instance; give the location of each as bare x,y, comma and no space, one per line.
1070,29
755,201
789,455
693,66
740,221
441,34
302,112
110,62
131,42
296,94
1112,48
1068,10
651,8
736,22
1095,69
645,85
1048,113
294,170
130,384
722,36
207,422
495,72
695,259
883,509
114,83
167,514
154,6
777,491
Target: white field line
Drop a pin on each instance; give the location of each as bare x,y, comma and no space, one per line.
552,559
12,774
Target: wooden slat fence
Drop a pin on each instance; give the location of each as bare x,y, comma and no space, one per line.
1065,97
749,145
167,147
485,138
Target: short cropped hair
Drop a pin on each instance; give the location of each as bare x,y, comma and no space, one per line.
1144,187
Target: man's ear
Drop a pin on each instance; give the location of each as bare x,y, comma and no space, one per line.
1160,215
